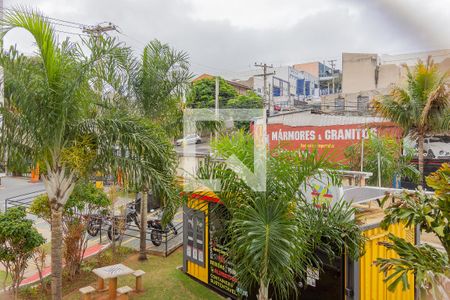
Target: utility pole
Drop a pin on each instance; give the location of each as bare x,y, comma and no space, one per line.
217,102
265,75
332,63
99,29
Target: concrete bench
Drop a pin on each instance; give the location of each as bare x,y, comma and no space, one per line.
138,274
123,292
87,292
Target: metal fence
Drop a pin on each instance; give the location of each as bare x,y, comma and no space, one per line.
23,200
169,240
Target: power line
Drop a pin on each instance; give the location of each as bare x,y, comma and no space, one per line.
73,33
49,18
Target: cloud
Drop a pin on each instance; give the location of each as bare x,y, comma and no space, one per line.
221,36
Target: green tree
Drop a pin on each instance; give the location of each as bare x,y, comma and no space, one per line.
432,213
392,163
249,100
202,93
58,107
158,79
275,234
18,240
420,108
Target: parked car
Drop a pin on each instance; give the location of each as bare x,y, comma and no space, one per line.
189,139
436,147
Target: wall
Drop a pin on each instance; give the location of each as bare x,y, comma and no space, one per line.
311,68
358,72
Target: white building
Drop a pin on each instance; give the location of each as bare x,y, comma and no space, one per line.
284,85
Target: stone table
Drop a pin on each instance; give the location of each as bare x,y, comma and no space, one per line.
111,273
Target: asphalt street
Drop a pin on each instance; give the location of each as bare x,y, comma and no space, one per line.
14,186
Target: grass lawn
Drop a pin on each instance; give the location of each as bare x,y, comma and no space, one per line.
162,280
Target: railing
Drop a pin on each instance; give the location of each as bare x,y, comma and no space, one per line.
23,200
169,243
169,240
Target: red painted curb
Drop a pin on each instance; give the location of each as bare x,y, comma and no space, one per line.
95,249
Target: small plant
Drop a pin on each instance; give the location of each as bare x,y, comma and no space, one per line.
84,200
18,241
39,261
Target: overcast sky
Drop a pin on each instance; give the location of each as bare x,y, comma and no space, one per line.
231,35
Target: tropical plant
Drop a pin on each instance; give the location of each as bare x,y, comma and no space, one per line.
420,108
159,81
393,165
432,213
274,235
18,241
57,106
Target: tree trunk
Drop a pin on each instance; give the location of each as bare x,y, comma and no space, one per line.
56,251
263,293
420,157
59,186
143,229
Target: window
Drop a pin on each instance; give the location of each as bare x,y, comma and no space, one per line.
363,103
339,103
195,236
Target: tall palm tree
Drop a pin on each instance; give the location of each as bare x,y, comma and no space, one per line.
55,105
420,108
274,235
158,80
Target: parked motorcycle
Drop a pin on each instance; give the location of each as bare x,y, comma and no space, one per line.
156,233
97,220
130,216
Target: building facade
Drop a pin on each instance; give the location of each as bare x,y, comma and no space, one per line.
368,75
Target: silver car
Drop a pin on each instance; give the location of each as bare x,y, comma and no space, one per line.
189,140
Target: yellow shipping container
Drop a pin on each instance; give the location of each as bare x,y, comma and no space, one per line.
372,285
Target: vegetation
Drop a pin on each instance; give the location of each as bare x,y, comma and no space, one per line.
18,240
275,235
432,213
393,165
420,108
249,100
60,86
202,93
159,79
84,200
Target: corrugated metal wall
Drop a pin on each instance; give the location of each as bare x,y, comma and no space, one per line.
201,273
372,285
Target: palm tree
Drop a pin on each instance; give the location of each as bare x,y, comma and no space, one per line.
56,105
420,108
274,235
158,81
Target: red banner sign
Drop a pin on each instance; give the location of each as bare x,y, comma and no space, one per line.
333,139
